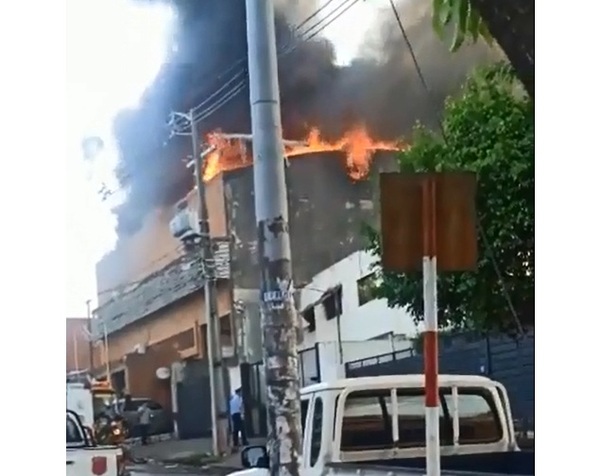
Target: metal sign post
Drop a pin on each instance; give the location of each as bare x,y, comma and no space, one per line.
430,343
428,221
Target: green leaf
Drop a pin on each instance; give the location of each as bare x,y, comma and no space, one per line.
474,24
442,10
462,11
485,33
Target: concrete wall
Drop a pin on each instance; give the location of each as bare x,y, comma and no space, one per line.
364,330
164,324
326,211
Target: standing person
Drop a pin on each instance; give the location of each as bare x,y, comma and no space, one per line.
236,410
144,413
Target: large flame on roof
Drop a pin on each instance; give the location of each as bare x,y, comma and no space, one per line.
230,150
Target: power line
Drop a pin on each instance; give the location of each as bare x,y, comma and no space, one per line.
240,61
286,50
122,287
202,111
480,228
348,6
418,69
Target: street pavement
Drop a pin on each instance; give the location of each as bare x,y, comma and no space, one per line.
158,469
159,458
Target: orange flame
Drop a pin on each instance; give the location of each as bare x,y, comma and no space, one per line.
356,143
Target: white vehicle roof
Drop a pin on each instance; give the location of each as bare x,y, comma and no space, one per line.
413,380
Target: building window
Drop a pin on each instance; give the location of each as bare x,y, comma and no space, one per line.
333,303
309,316
365,287
226,331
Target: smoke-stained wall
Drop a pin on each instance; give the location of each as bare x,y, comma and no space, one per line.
326,212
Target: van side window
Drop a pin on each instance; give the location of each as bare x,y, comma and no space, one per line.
367,418
73,433
317,429
304,412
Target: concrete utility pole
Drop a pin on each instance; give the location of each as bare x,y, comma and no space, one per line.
88,304
278,316
216,369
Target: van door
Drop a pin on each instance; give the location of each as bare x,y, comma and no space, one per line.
314,437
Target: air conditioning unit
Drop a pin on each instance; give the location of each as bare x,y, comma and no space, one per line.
139,349
184,225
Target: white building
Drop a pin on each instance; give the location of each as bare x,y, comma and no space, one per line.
342,320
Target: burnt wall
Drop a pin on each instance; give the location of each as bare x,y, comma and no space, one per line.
326,211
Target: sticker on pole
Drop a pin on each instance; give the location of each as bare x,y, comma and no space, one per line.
281,291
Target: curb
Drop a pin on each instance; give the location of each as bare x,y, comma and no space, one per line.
137,441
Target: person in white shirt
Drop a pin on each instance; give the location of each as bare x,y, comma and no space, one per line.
144,413
236,411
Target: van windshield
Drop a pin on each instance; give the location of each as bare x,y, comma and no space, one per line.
367,418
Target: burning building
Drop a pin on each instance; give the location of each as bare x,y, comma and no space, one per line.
151,314
149,287
331,188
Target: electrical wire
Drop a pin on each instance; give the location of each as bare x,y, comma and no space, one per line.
121,287
242,60
201,111
348,6
481,231
418,69
197,116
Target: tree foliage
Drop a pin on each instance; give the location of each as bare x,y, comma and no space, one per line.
488,129
509,22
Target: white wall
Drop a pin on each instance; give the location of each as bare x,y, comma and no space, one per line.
365,331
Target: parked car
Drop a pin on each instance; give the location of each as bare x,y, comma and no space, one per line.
161,420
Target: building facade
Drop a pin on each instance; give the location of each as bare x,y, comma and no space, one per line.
343,322
151,308
150,288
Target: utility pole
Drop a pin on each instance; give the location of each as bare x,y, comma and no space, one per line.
278,315
216,369
88,303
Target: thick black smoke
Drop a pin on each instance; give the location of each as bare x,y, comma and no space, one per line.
380,89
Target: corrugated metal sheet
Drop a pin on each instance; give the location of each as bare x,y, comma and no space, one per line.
177,280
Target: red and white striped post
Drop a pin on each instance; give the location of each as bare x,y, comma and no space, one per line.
430,347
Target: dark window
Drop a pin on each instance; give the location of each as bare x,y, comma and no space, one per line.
333,304
304,412
317,429
365,289
367,423
136,404
309,316
226,332
73,433
154,406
